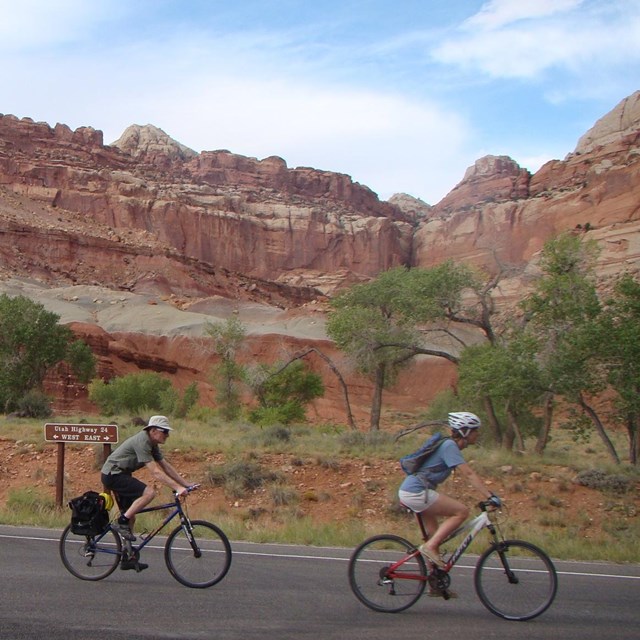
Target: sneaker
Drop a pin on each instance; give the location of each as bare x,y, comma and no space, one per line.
124,530
441,593
432,556
127,564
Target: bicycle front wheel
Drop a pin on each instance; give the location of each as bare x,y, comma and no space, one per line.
385,576
198,554
90,557
515,580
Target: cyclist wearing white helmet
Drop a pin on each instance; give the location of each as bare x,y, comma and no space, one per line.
418,493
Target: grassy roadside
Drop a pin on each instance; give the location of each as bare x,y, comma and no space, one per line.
328,486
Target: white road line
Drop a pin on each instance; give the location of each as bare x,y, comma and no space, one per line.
265,554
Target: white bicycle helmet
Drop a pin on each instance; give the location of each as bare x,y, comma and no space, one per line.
463,422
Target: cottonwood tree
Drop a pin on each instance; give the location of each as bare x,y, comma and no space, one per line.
561,349
507,379
563,305
382,325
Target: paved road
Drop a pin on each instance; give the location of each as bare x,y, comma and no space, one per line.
281,592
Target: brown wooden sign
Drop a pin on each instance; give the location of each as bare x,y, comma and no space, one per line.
81,433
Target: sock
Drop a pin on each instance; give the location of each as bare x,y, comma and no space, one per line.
123,519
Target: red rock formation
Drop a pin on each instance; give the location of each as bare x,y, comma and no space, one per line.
497,212
223,210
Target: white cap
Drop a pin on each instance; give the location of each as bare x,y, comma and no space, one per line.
159,421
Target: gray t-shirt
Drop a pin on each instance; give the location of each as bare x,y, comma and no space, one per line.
132,455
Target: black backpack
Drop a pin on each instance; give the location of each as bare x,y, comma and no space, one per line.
412,462
89,515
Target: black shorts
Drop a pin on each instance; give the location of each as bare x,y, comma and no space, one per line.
125,486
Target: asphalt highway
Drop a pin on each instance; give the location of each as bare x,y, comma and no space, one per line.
282,592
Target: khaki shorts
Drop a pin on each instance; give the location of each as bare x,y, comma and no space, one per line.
418,502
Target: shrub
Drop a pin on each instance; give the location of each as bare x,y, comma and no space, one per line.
597,479
283,496
34,404
187,402
276,434
133,393
238,478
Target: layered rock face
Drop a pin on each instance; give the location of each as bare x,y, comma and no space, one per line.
149,216
501,214
220,210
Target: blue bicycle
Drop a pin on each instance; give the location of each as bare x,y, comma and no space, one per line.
197,553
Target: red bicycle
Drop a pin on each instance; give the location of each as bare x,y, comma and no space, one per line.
514,579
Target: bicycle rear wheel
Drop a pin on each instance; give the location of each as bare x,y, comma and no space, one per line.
384,577
198,556
515,580
90,557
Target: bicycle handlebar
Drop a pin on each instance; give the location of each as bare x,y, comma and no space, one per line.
190,488
487,505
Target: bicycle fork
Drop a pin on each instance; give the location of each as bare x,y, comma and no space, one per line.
188,532
500,548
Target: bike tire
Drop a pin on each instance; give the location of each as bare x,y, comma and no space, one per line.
529,591
371,584
204,565
90,557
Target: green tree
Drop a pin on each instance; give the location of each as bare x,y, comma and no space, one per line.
562,308
283,392
385,323
31,341
227,339
188,400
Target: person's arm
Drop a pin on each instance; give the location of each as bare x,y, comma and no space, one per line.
474,480
165,473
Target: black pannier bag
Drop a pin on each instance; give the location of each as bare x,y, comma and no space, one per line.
89,515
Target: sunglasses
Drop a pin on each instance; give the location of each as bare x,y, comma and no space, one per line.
163,431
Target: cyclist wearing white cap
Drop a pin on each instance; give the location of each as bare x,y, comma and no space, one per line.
418,493
140,450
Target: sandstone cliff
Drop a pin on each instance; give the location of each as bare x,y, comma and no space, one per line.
500,213
217,209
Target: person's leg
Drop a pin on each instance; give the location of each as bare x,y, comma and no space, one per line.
454,513
429,518
132,495
140,503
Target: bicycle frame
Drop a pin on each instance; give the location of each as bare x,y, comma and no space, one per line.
474,526
177,510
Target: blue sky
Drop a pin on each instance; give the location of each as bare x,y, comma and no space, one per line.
402,95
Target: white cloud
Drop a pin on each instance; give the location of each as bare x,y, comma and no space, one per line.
498,13
513,39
